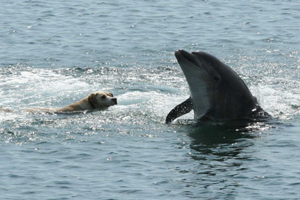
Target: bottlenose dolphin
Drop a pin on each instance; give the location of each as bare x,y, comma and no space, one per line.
217,92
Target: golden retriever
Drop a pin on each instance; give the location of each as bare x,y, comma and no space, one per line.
95,101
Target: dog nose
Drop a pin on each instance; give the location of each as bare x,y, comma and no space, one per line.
114,100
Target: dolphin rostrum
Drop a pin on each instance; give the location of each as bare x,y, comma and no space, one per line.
217,92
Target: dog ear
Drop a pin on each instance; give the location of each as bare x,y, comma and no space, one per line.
93,98
109,94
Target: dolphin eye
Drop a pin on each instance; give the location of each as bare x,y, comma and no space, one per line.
217,78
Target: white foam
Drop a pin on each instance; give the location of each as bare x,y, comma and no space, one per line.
157,104
280,100
23,88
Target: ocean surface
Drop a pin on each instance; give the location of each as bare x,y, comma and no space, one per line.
53,53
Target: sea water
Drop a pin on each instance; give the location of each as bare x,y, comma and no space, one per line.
53,53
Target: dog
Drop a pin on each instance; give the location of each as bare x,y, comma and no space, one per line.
95,101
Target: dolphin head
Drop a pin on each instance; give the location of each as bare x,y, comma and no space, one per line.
217,92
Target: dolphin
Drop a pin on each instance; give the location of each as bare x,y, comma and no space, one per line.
217,93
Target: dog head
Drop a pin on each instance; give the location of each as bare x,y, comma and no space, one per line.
102,100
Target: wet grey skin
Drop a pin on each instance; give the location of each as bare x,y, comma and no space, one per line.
217,92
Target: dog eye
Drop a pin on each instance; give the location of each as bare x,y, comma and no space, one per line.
103,96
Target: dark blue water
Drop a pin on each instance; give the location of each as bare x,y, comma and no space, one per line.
55,53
